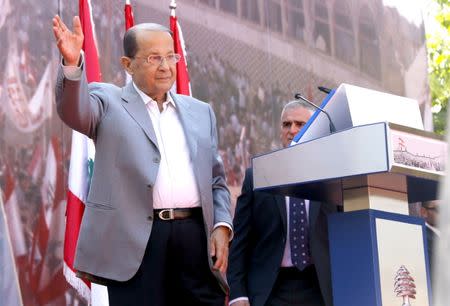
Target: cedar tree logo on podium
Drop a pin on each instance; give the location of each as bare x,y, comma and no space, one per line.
404,286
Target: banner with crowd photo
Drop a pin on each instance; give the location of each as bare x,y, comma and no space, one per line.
34,154
248,58
26,112
245,58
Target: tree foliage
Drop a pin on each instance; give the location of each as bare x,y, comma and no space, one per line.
438,46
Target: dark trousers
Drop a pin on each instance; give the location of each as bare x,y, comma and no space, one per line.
296,288
174,270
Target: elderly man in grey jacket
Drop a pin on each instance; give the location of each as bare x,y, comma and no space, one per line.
157,221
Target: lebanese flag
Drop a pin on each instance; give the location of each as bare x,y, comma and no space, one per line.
81,161
93,72
183,85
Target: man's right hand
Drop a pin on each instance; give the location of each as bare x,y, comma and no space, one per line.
69,43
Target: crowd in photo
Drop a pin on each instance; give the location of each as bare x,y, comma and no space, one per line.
247,112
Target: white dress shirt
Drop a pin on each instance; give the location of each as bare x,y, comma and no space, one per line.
175,185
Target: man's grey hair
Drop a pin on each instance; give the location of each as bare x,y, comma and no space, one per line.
130,46
296,104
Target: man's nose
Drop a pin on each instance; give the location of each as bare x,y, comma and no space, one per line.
294,129
164,64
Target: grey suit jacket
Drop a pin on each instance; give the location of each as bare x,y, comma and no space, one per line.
117,221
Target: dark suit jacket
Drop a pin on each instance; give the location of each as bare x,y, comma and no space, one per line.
431,238
259,241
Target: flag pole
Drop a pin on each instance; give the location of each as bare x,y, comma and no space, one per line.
173,7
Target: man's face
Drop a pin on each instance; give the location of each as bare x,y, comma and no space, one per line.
292,120
153,79
430,212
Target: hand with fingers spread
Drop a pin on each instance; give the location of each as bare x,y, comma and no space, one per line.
220,238
69,42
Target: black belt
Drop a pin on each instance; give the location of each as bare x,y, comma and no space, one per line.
177,213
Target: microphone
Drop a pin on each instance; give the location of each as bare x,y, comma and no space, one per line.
324,89
300,97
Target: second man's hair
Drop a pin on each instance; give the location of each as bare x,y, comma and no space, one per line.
296,104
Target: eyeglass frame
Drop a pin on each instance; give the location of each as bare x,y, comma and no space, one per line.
176,56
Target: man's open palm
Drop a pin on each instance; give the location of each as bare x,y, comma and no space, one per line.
69,42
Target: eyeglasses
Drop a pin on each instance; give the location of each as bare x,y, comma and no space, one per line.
157,60
288,124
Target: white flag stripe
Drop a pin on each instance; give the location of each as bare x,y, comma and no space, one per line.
43,97
49,183
82,150
83,290
99,295
14,223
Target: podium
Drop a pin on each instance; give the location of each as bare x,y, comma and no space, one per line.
378,252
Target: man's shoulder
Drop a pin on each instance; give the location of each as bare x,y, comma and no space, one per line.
189,99
249,171
105,87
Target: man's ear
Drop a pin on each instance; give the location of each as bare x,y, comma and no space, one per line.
126,64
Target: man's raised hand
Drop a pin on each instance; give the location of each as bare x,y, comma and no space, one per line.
68,42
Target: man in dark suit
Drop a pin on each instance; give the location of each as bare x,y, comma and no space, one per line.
429,211
157,220
264,265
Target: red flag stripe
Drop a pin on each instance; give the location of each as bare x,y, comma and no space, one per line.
183,86
10,184
74,211
89,46
129,18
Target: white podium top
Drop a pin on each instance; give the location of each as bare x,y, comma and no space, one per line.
352,106
317,166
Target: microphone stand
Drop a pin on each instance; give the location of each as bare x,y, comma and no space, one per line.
300,97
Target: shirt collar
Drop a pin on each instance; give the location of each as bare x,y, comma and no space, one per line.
146,99
433,229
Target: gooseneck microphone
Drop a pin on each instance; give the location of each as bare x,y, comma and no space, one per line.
324,89
300,97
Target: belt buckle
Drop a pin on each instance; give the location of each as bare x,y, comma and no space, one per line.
166,214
